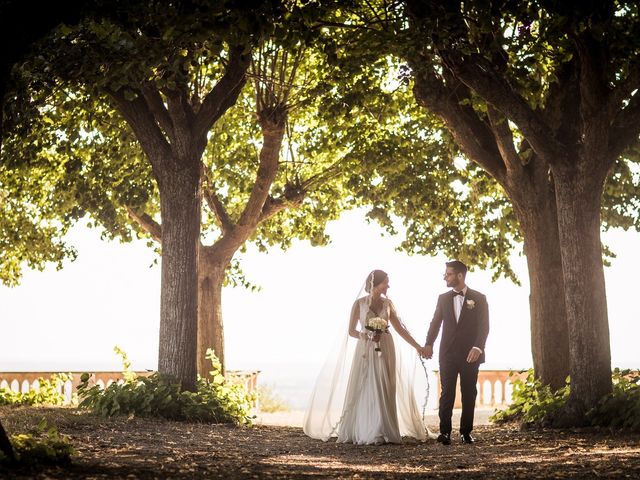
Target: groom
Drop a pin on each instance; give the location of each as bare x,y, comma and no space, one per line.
464,316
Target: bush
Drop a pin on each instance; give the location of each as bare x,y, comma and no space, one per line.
47,395
47,447
621,408
535,404
159,395
532,402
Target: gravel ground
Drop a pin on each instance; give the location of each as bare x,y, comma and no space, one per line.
135,448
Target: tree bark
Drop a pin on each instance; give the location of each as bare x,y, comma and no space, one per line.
549,334
179,186
5,444
578,195
211,275
490,144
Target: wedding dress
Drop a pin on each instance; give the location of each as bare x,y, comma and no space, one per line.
377,404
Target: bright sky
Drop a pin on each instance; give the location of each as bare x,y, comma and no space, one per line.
71,319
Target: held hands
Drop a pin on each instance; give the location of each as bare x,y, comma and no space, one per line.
426,351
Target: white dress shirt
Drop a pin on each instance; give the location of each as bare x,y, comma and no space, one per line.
458,300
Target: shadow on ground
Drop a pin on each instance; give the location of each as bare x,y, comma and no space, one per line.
147,448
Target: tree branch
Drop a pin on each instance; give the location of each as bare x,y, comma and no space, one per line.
137,114
471,133
504,140
474,73
159,111
215,205
626,128
594,112
272,123
225,92
147,223
273,206
182,118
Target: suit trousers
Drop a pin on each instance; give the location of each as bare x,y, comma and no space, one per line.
450,368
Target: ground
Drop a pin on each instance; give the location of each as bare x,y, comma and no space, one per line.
147,448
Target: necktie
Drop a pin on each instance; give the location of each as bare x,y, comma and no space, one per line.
458,293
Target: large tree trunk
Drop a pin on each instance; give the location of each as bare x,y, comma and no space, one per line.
211,275
5,444
180,208
549,331
578,197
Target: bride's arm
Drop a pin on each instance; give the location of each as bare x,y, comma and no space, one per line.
398,327
353,322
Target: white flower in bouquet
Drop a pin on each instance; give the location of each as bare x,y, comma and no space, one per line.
376,325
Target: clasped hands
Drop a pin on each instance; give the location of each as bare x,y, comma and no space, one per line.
427,352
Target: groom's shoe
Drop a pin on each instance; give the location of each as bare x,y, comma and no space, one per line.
467,438
444,438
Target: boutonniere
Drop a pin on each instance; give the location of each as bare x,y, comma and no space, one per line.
471,304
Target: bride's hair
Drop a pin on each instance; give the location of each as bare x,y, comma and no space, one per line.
374,279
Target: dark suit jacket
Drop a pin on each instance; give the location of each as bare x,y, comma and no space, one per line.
471,330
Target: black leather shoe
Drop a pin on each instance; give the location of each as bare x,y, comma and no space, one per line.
467,438
444,438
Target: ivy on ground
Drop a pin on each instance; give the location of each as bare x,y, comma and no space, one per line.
536,405
215,400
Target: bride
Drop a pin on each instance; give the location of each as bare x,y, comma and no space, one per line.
376,404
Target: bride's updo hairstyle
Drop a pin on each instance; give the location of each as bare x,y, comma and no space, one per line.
374,279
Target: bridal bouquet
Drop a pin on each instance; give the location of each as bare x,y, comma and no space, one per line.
376,325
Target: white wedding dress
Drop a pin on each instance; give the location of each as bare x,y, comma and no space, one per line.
378,404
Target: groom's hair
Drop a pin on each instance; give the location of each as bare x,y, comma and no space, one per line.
458,267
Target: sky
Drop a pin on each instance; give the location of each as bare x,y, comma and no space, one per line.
71,319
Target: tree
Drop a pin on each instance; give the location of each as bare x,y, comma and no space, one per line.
542,98
421,33
142,60
249,202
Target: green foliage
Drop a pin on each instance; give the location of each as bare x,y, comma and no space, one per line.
532,403
270,402
535,404
47,394
47,446
621,408
215,399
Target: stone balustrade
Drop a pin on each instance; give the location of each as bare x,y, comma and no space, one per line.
494,386
25,381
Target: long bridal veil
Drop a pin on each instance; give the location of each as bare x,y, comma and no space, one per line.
327,403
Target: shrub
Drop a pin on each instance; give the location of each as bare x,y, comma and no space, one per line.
621,408
47,447
532,402
535,404
158,395
47,394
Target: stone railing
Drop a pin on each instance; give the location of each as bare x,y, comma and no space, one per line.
495,387
25,381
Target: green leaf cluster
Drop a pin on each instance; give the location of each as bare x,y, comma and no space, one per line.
46,446
47,393
215,400
533,404
621,408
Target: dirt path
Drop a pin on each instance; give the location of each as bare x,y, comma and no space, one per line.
140,448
